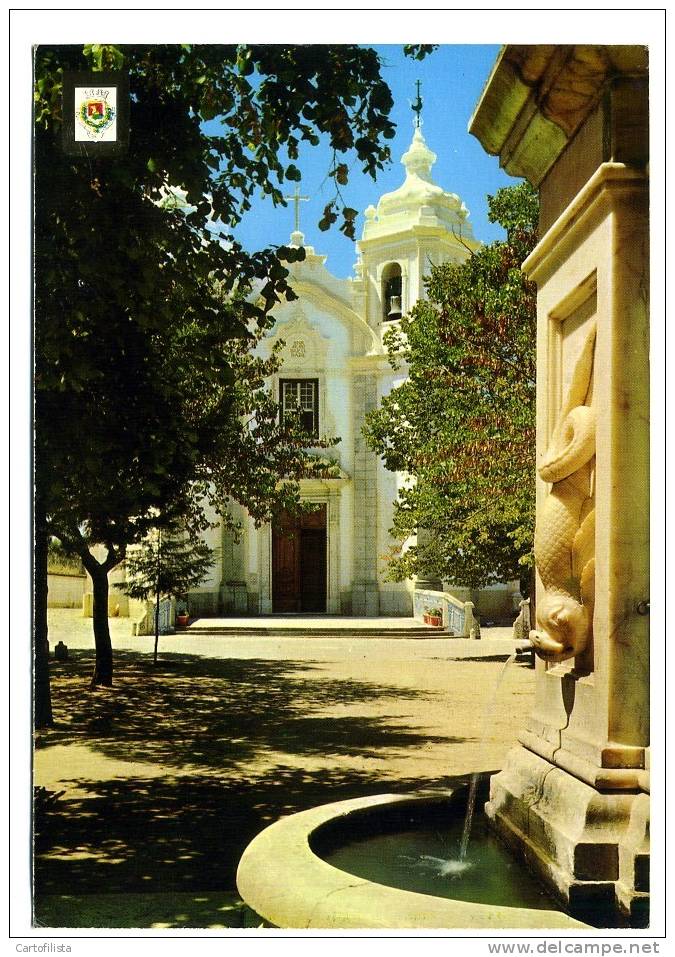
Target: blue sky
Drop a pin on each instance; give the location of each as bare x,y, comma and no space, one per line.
452,80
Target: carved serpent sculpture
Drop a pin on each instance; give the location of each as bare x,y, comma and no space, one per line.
564,542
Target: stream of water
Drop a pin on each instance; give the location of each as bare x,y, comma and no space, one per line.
421,859
473,786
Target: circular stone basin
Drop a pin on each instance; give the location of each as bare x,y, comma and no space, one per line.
426,861
390,862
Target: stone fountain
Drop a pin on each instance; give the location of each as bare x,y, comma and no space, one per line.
572,801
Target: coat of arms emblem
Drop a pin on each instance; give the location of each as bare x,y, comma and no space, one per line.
95,113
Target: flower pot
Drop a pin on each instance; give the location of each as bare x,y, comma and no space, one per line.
182,620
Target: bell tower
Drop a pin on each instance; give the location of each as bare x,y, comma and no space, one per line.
417,226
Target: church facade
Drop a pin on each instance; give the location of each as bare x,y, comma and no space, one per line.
335,370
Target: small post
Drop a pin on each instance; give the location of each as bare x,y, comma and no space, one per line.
470,624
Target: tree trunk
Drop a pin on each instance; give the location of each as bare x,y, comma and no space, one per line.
156,626
42,698
159,571
103,672
98,572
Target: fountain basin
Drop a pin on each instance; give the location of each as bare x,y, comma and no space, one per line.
284,877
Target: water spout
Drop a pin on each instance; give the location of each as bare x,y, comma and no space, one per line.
473,786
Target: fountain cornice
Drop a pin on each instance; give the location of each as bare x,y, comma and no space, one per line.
537,98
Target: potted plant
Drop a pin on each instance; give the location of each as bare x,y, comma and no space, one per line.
434,616
182,614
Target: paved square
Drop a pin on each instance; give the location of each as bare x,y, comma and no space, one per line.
168,775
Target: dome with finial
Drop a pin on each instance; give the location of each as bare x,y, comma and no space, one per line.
419,159
418,201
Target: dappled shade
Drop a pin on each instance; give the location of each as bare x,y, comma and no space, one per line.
203,712
222,749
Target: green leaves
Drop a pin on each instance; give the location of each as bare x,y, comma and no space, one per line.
341,174
418,51
245,62
329,216
292,254
103,56
348,227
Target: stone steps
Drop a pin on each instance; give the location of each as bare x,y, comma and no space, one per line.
272,631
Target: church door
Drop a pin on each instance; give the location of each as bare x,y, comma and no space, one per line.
299,563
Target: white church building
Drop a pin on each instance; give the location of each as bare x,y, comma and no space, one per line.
335,369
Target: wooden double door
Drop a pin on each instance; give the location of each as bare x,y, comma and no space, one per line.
299,562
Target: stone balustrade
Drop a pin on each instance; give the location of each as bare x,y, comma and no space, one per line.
458,617
143,615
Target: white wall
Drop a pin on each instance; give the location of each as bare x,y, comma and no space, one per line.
65,591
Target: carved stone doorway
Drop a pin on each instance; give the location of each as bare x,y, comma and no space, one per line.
299,562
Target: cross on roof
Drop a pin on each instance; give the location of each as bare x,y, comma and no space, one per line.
297,199
417,105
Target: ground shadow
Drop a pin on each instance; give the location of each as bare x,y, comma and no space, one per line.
204,723
217,713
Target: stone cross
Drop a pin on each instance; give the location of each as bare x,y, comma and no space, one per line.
297,199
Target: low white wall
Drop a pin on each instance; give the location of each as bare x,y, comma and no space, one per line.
65,591
500,602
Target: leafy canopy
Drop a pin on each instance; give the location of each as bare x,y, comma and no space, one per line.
463,423
148,396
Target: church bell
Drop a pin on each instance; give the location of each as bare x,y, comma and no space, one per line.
394,308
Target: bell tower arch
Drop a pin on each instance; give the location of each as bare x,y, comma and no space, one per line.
391,291
410,230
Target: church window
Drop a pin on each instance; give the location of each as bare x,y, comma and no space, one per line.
300,403
392,289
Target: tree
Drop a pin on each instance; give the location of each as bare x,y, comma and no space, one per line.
169,562
463,423
147,397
